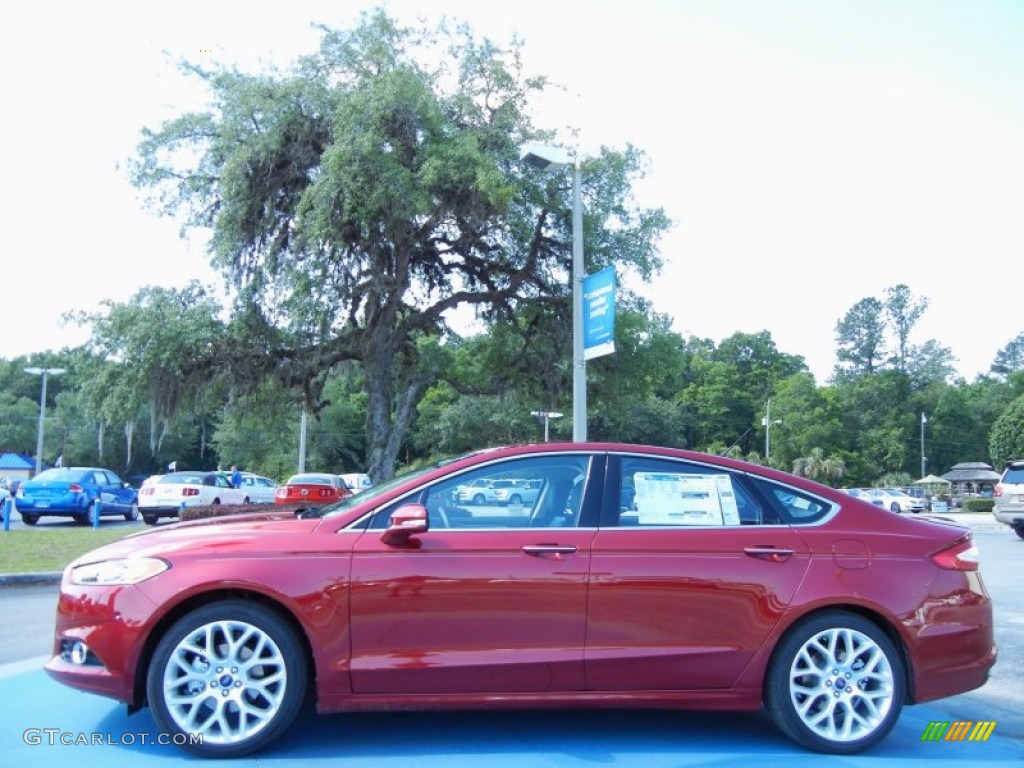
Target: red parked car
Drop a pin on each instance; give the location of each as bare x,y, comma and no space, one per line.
637,576
316,488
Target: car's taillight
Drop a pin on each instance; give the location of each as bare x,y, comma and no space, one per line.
997,491
147,491
75,488
189,491
959,557
282,493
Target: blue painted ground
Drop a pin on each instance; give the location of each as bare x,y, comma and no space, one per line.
659,739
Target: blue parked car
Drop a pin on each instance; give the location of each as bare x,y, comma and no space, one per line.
74,491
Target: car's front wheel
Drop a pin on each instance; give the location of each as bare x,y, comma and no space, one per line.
28,519
231,671
835,684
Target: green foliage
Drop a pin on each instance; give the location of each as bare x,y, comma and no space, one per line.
860,338
1010,358
979,505
1006,441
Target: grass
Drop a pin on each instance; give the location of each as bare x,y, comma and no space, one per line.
50,549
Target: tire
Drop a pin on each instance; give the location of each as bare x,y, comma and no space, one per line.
895,507
1018,529
245,500
478,499
29,519
828,700
515,499
149,519
132,514
196,680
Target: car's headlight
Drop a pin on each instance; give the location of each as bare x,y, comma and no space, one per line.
129,570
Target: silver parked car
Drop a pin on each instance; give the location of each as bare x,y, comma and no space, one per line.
1009,497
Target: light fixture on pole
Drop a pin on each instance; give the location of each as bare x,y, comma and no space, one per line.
546,158
547,416
767,423
44,372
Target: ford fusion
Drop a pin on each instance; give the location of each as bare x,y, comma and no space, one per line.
634,576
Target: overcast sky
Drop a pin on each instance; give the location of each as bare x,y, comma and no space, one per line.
811,154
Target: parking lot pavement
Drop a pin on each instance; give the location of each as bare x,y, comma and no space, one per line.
47,723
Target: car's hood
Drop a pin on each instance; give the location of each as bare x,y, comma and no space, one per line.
167,539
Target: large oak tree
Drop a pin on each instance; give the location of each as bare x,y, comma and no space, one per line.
359,197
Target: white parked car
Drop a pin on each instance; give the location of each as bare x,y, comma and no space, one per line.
895,500
168,494
261,490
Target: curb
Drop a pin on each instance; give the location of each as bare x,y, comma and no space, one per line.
28,579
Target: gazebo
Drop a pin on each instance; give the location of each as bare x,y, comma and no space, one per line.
972,477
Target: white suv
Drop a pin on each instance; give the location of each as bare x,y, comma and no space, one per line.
1009,496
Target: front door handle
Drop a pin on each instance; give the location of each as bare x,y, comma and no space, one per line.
771,554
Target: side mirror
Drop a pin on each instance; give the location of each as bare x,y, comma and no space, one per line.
407,521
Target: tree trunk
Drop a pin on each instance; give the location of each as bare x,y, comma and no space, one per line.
129,433
388,415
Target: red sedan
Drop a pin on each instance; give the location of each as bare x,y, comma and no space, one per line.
316,488
638,576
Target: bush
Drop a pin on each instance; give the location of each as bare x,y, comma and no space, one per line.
978,505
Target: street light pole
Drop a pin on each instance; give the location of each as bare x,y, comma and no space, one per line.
546,158
44,372
579,365
924,461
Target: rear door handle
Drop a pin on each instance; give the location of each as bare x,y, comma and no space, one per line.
771,554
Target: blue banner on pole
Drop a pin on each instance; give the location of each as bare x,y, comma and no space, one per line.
599,313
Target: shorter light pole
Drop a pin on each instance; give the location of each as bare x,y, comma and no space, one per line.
44,372
767,422
547,416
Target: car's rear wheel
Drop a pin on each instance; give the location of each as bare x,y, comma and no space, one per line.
132,513
515,500
1019,530
29,519
478,499
149,519
232,671
835,684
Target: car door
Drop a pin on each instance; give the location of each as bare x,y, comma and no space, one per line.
109,489
690,572
488,600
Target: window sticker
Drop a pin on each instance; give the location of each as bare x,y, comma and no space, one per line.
670,498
